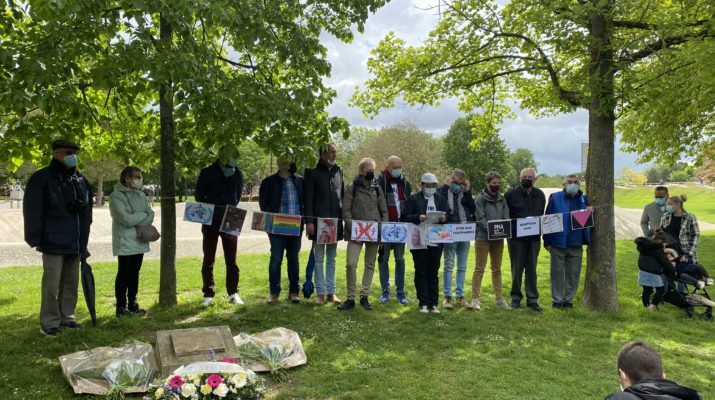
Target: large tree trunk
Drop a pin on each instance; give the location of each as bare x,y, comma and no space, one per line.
167,275
600,291
100,190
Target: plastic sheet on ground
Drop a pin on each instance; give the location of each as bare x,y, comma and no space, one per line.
131,369
281,345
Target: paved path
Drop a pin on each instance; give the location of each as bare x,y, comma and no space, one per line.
14,251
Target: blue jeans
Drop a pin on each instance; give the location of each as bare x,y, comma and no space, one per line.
461,250
291,246
325,279
384,267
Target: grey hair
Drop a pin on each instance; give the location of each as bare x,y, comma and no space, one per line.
491,175
459,174
521,173
572,176
365,162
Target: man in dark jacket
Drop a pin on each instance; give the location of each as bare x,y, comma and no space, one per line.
220,184
323,198
57,210
642,378
525,201
396,190
282,193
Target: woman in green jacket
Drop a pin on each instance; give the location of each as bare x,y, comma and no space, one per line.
129,208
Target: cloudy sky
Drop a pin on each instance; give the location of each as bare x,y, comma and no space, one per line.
555,141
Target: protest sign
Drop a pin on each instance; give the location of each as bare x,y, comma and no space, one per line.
528,226
284,224
552,223
232,222
499,229
201,213
262,222
416,237
364,231
327,231
393,232
439,233
464,232
581,219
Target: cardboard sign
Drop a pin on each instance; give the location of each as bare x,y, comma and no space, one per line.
393,233
284,224
327,231
581,219
416,237
262,222
202,213
499,229
439,234
528,226
364,231
552,223
232,222
464,232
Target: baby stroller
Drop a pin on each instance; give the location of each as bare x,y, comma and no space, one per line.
690,299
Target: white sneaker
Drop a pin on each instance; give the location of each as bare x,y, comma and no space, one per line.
475,305
207,301
709,282
435,310
701,285
235,299
424,310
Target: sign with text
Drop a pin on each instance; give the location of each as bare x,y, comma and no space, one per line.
552,223
285,224
528,226
464,232
499,229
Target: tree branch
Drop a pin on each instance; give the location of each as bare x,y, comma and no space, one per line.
645,25
479,61
497,75
662,44
235,64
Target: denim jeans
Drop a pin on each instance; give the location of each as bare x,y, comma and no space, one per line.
461,250
384,267
291,246
325,278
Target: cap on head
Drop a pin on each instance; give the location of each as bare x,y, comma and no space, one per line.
429,178
64,144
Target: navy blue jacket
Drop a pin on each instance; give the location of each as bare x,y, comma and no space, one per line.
323,195
416,205
559,204
270,194
55,220
214,188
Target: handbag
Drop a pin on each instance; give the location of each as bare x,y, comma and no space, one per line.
145,233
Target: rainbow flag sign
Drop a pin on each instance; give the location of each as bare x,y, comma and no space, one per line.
284,224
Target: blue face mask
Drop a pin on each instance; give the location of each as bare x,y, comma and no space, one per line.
455,187
429,192
572,188
228,171
668,208
232,162
71,160
396,173
660,201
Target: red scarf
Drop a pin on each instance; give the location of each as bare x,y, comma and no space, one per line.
391,206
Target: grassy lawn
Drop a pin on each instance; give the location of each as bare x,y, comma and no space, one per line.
699,199
391,352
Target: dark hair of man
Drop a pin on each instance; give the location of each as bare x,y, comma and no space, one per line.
127,172
640,361
661,189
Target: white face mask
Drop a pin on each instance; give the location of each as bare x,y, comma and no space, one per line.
137,183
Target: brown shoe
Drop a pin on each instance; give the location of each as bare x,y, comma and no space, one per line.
294,298
273,300
332,297
320,300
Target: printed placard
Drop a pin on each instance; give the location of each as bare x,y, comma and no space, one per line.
327,231
393,232
581,219
434,216
552,223
417,239
528,226
202,213
364,231
285,224
499,229
439,233
232,222
464,232
262,222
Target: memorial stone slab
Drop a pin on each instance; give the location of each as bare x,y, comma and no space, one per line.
178,347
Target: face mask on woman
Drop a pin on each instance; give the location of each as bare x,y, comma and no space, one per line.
137,183
455,187
669,208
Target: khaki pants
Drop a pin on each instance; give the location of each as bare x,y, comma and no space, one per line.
59,289
353,257
494,250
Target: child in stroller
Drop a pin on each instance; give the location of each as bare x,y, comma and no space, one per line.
689,300
685,267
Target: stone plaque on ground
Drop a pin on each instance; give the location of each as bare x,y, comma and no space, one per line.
179,347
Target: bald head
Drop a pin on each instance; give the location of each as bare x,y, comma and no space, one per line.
394,162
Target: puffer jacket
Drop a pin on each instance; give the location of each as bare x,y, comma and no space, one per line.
129,208
656,389
367,204
489,209
652,258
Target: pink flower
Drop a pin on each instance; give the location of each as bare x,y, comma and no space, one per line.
214,380
229,360
176,382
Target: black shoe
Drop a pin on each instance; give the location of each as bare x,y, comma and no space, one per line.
346,305
535,307
556,306
123,312
50,332
515,304
365,304
135,309
71,324
567,305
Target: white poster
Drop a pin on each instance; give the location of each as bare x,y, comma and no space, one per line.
552,223
364,231
201,213
464,232
416,237
439,233
528,226
394,232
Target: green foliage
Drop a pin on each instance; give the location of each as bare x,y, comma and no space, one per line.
522,158
699,199
679,176
464,149
348,147
658,173
547,181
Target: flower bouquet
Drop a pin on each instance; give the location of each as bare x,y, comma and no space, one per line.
274,350
209,380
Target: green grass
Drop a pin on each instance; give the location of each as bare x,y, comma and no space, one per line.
391,352
699,202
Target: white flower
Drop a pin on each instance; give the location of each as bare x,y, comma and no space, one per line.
221,390
238,380
188,389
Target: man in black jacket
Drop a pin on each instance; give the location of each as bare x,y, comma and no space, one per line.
642,378
57,210
282,193
525,201
220,184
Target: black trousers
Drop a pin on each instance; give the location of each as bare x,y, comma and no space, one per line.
427,264
524,255
647,291
126,285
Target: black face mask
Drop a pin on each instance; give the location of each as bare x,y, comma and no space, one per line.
527,183
292,168
370,176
